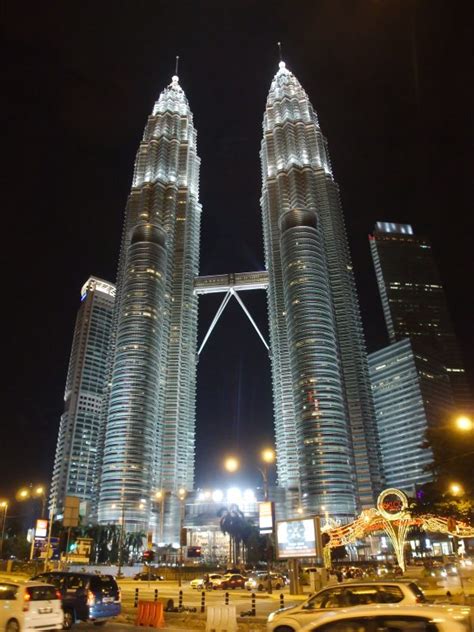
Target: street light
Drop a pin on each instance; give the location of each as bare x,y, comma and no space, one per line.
268,457
456,489
182,508
160,497
4,506
232,464
464,423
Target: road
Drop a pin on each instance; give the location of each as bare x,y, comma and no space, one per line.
241,599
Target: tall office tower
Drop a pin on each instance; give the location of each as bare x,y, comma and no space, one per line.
411,394
413,299
324,418
149,434
75,466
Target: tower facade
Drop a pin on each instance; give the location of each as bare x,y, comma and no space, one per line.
411,394
76,462
148,445
414,301
324,420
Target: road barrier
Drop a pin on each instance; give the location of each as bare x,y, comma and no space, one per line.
226,598
135,600
180,599
282,600
254,606
221,619
150,614
203,601
156,595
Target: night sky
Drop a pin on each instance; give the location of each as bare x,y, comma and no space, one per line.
391,82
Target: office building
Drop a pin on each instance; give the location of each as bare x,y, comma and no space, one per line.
76,466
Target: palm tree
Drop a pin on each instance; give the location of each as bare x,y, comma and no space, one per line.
234,523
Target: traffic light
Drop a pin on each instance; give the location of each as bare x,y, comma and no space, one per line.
194,551
148,556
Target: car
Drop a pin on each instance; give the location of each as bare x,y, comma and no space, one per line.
259,581
144,576
393,618
29,606
231,580
348,593
85,596
200,582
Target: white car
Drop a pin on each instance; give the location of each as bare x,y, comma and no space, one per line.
29,606
350,593
198,583
393,617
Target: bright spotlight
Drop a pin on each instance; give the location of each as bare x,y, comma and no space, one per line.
218,495
234,495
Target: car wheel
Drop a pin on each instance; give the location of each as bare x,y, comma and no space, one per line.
68,619
12,626
284,628
260,587
277,586
100,622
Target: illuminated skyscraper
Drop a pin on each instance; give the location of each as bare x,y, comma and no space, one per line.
149,434
414,301
324,418
75,466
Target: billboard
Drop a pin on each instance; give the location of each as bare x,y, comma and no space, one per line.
41,530
265,517
300,537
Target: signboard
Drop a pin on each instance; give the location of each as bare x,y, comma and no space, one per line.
266,517
81,552
300,537
41,530
41,545
392,504
71,511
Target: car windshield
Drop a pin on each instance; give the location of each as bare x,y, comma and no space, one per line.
7,591
42,593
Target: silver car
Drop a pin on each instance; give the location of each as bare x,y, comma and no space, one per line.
259,581
342,596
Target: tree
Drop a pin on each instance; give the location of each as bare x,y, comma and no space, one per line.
234,523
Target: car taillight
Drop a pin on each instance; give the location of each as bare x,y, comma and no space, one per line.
26,599
419,600
90,598
58,594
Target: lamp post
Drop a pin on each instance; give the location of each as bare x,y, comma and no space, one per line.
160,497
182,509
268,458
4,506
28,493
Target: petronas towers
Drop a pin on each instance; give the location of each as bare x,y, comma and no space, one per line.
327,452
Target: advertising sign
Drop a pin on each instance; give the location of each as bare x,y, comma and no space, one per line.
265,517
41,530
71,511
392,504
300,537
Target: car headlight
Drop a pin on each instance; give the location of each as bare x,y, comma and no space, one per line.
271,616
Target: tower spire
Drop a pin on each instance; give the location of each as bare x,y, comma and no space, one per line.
176,65
279,51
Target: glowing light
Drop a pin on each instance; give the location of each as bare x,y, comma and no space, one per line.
464,423
249,496
181,493
217,495
268,455
231,464
39,491
234,495
282,65
456,489
159,495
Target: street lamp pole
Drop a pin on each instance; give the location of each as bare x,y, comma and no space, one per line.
4,506
182,509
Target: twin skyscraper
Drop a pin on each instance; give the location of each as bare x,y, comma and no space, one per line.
144,437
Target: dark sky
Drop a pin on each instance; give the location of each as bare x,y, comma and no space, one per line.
80,79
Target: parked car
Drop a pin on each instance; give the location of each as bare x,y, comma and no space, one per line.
152,576
85,596
30,606
205,582
341,596
259,581
418,618
232,580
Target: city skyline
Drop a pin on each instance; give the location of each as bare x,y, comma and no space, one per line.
98,208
